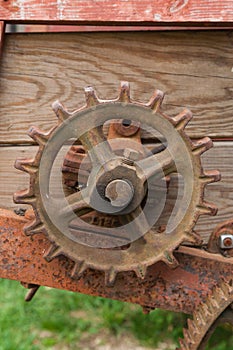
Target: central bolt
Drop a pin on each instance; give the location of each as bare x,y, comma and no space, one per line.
120,193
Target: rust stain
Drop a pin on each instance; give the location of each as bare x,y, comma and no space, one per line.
186,276
179,290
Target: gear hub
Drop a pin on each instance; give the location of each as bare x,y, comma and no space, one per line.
116,182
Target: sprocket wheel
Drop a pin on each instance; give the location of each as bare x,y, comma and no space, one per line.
139,247
216,310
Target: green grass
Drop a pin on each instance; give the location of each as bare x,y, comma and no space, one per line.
58,319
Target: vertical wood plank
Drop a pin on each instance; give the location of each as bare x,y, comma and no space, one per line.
2,31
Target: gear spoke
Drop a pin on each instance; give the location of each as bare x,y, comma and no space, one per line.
157,163
98,147
76,204
137,222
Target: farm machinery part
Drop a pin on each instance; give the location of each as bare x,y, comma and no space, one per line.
217,309
110,202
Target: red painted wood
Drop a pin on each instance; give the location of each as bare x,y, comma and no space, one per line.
128,12
2,31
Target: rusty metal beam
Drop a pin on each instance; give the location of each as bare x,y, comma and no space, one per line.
21,258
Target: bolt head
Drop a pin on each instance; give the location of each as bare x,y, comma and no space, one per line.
131,154
226,241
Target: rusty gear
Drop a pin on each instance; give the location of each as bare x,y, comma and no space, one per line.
153,246
217,309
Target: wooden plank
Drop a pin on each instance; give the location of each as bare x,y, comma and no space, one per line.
221,193
128,12
193,68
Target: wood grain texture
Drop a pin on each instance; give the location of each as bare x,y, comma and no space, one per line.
221,193
220,157
193,68
119,12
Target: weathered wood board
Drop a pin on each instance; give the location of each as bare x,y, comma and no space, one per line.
221,193
193,68
122,11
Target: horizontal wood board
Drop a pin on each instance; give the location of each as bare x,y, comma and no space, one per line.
220,157
194,69
119,12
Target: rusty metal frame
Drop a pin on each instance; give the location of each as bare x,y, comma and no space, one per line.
181,290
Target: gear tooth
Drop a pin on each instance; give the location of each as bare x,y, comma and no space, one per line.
30,226
206,311
91,97
78,269
192,326
188,337
217,297
19,163
110,277
60,111
34,228
52,252
194,237
124,95
156,100
223,292
202,145
182,119
198,318
28,200
17,197
183,345
37,135
210,303
206,208
140,271
26,165
169,259
24,197
210,176
227,289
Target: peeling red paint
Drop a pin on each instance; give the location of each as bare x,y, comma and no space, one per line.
130,12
